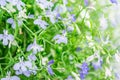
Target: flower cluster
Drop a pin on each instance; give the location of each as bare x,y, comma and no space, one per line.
52,33
84,70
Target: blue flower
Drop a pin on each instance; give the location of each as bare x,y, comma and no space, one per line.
73,18
50,62
61,38
50,71
84,70
6,38
65,2
97,64
25,67
45,4
40,23
32,57
86,2
18,3
3,2
69,78
8,77
35,47
12,22
114,1
51,15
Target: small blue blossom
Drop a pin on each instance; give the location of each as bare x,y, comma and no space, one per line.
45,4
12,22
84,70
58,16
114,1
18,3
6,38
50,71
3,2
69,78
41,23
25,67
86,2
21,66
61,38
97,64
50,62
73,18
32,57
8,77
65,2
35,47
51,15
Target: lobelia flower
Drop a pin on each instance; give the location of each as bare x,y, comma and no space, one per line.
84,70
31,70
114,1
24,67
50,71
12,22
58,16
21,66
8,77
97,64
50,62
18,3
61,38
41,23
44,4
86,2
51,15
73,18
69,78
6,38
65,2
32,57
35,47
22,14
3,2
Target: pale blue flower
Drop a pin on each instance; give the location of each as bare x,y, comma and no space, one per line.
58,16
41,23
12,22
18,3
32,57
86,2
50,71
114,1
8,77
45,4
34,47
73,18
6,38
84,70
65,2
69,78
50,62
97,64
31,16
51,15
31,70
25,67
61,38
3,2
22,66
